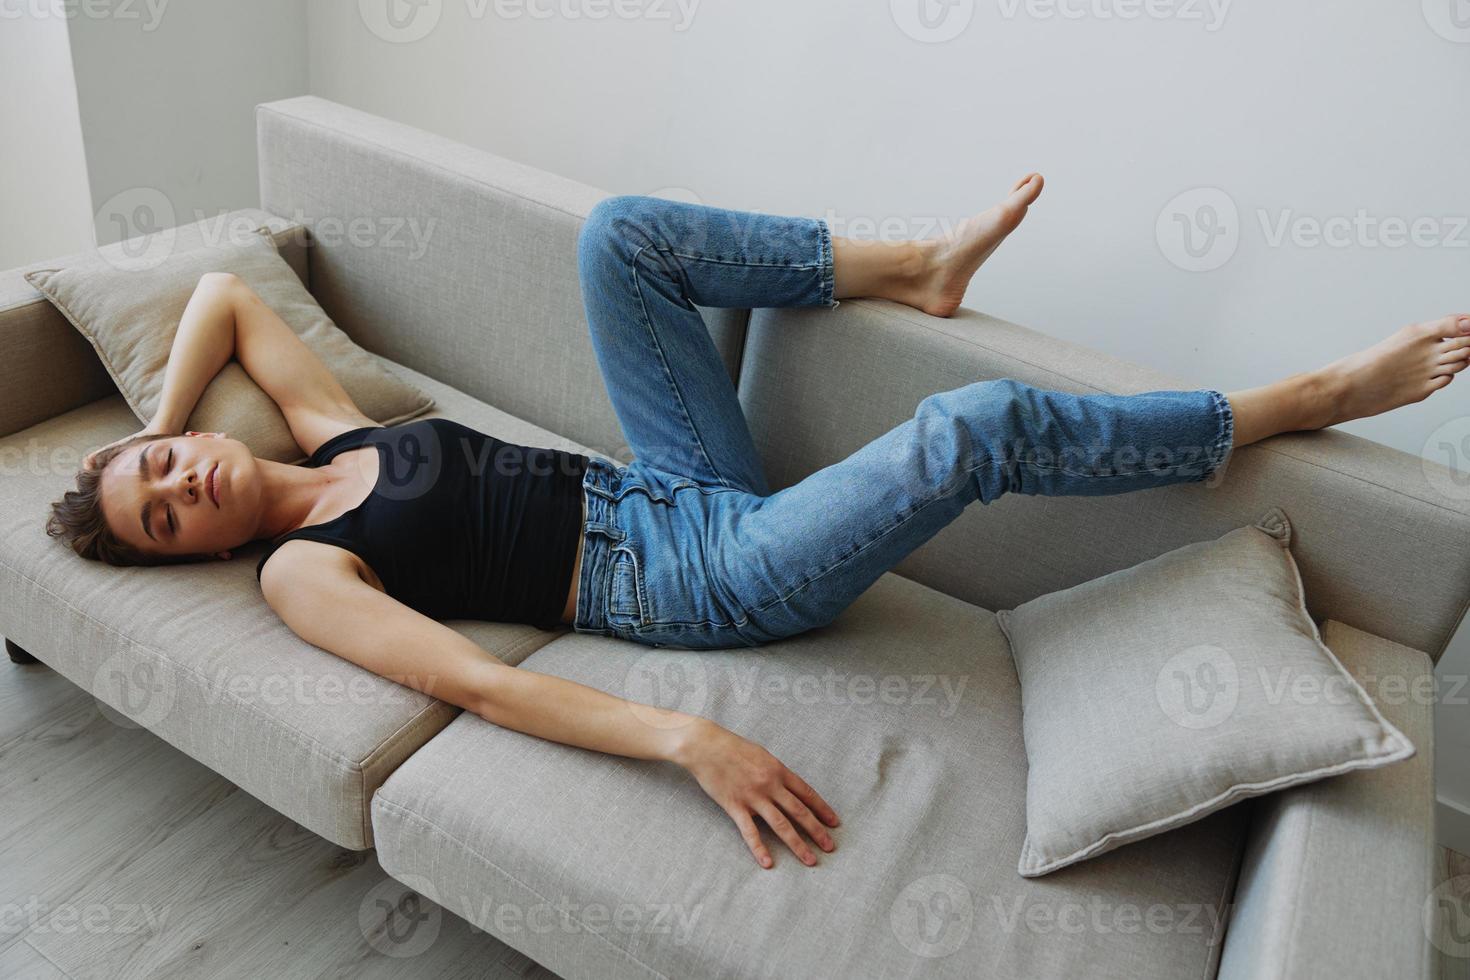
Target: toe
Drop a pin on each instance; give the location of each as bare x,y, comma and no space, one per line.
1453,354
1450,367
1444,328
1028,188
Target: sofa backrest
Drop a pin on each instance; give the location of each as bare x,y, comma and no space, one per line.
450,260
462,265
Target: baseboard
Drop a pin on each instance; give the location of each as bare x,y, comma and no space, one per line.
1452,826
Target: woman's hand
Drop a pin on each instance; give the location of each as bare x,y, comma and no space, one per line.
150,429
745,779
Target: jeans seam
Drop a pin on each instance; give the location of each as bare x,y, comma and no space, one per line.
827,263
1225,441
742,262
664,364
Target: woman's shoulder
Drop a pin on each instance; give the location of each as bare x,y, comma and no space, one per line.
297,562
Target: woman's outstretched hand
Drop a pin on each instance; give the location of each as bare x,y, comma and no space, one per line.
746,781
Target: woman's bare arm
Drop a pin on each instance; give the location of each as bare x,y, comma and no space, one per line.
316,590
225,318
204,343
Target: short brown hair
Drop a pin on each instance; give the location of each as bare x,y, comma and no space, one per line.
78,520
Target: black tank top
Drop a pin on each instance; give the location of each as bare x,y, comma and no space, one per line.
461,525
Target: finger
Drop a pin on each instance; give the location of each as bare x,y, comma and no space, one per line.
798,811
751,836
811,798
785,830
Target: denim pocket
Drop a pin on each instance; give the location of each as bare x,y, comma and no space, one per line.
625,605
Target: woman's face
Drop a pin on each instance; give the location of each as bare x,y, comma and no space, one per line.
195,494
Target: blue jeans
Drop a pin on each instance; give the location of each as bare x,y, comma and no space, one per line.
687,547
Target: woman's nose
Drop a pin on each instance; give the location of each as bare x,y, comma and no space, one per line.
188,485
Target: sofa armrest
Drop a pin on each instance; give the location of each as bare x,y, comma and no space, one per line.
1336,874
49,367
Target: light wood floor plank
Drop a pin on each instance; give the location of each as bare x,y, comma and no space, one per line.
20,961
137,861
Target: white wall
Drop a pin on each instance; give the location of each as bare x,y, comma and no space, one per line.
167,91
1315,109
45,209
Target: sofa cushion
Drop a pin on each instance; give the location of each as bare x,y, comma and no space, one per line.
49,367
1206,650
131,316
193,652
905,715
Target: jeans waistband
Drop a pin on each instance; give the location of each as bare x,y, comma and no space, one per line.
601,532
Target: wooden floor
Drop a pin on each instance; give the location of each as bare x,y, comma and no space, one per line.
122,857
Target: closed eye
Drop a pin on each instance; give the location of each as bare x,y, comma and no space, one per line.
168,464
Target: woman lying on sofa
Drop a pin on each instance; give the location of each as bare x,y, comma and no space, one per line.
387,530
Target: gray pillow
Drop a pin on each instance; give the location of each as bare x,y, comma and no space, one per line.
130,315
1161,693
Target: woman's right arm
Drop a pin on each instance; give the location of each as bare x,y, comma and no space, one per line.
320,596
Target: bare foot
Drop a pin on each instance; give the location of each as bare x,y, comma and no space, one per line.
1407,367
950,262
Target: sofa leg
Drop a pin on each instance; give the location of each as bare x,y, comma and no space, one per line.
17,655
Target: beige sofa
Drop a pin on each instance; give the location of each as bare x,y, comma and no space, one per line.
461,275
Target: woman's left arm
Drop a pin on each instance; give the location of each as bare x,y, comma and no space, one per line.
204,343
226,318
